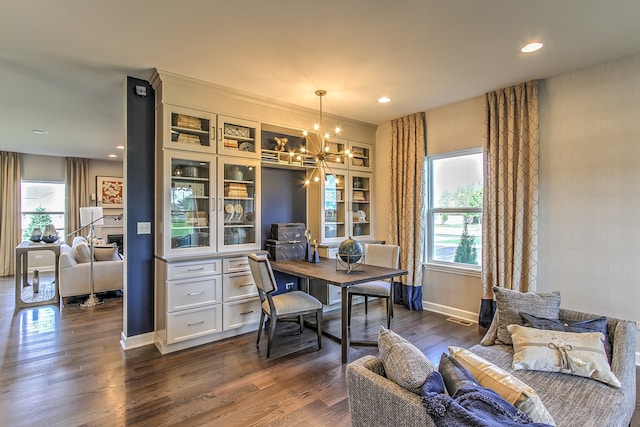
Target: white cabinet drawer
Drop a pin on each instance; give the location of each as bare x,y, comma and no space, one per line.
335,294
192,293
235,264
183,270
189,324
238,286
241,313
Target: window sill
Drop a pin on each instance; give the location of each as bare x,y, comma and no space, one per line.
453,269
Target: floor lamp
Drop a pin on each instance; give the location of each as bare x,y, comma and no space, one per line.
89,217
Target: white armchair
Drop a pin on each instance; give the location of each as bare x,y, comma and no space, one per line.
75,270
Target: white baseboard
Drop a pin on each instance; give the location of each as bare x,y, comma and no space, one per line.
450,311
127,343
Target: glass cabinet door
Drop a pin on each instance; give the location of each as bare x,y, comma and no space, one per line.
334,199
238,181
361,158
191,130
190,222
237,137
361,209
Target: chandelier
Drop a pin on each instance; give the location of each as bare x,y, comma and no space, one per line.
320,149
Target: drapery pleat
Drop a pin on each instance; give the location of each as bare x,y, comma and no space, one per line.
510,195
408,210
77,192
10,201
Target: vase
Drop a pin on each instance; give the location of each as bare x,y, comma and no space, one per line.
36,235
50,234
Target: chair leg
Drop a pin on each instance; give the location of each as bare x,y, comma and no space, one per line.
301,323
260,328
319,326
272,331
366,305
350,300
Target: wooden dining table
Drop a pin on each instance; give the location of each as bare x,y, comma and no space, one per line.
329,271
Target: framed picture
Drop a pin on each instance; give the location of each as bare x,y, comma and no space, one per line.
110,191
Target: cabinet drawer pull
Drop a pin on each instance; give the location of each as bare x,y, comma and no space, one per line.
195,323
195,269
248,284
246,312
192,294
244,264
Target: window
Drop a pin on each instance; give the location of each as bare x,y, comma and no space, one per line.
42,204
455,209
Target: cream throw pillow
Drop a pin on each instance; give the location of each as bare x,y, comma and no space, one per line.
106,253
404,363
502,382
82,252
580,354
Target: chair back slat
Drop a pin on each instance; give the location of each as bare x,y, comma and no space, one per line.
382,255
262,274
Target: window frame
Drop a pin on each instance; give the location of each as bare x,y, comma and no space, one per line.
430,263
61,230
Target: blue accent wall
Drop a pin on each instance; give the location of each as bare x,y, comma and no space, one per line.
140,166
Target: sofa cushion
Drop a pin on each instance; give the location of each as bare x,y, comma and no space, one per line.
403,362
106,253
82,252
581,354
502,382
509,305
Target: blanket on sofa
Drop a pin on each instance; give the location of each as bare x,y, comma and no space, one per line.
473,406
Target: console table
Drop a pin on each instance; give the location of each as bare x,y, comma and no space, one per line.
22,264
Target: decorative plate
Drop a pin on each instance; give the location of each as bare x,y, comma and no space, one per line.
246,146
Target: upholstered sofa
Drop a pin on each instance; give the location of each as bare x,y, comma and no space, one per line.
572,401
75,269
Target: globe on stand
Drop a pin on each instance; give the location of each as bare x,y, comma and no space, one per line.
350,254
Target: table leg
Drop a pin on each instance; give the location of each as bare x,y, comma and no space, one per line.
345,333
25,266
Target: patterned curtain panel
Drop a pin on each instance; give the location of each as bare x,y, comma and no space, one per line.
77,192
407,216
10,228
510,212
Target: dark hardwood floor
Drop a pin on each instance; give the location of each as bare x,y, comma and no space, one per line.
65,367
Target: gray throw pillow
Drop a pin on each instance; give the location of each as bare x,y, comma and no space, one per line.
403,362
509,305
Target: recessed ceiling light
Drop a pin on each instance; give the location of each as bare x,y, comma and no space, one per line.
40,132
531,47
112,155
384,100
120,147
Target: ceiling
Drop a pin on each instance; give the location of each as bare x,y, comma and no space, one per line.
63,62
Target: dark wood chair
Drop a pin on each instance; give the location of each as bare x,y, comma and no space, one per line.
286,306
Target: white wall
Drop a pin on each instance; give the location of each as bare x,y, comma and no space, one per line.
589,189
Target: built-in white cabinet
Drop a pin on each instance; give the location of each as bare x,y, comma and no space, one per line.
201,300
